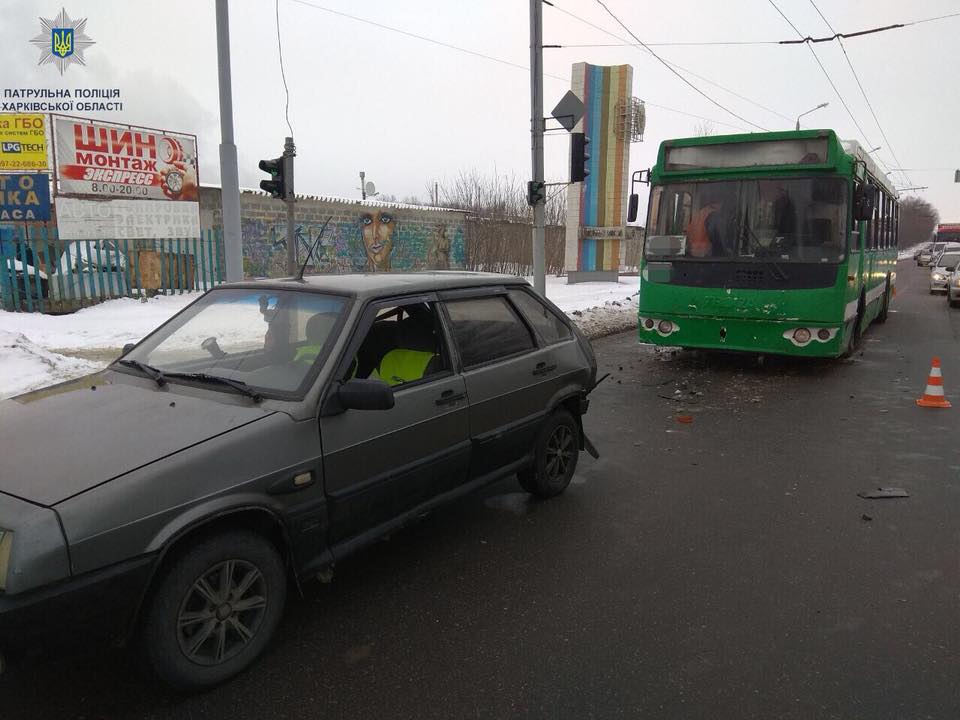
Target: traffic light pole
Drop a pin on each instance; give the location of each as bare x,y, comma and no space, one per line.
229,178
538,199
289,152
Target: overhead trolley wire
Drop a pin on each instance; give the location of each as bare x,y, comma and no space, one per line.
673,64
729,43
484,56
856,77
826,74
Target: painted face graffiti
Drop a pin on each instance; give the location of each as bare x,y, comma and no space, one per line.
377,230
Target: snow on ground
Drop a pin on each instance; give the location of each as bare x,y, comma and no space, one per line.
26,366
104,327
38,350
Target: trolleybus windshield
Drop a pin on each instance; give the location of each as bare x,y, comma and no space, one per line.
779,220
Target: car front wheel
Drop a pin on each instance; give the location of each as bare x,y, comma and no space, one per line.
556,454
214,609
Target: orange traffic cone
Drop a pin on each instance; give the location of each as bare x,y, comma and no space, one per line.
933,395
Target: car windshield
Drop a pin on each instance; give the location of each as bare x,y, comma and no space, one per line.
948,260
780,220
269,340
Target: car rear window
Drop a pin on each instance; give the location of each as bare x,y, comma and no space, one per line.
551,328
486,329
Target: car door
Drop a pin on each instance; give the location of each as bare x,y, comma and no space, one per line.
509,378
379,464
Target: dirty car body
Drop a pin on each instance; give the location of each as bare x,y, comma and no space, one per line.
279,424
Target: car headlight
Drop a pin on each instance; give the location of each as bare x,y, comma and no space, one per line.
937,276
6,545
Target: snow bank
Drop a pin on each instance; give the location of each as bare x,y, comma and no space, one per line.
26,366
107,326
36,349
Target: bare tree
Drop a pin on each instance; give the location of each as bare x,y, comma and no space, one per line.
501,197
704,128
918,220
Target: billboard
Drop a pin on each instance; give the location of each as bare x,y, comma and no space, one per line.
126,219
24,197
23,142
107,160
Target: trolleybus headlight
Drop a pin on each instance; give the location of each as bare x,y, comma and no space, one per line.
648,323
823,334
801,335
665,327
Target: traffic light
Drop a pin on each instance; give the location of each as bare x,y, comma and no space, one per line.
579,157
274,186
536,192
280,184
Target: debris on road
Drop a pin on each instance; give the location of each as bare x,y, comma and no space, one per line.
883,493
686,419
866,518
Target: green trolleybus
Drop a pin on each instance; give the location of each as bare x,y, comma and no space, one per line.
781,242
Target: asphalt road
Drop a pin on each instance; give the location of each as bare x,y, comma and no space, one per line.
718,569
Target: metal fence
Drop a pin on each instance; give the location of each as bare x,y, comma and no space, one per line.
39,272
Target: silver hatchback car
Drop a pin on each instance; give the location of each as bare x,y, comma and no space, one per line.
264,433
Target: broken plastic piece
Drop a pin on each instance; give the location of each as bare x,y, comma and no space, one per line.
883,493
685,419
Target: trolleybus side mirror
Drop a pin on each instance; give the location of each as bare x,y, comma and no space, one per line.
634,204
866,199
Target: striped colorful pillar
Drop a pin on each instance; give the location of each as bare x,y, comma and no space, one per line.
596,208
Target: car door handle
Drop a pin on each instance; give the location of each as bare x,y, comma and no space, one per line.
448,397
542,368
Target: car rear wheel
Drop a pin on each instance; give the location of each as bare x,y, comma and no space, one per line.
556,453
214,609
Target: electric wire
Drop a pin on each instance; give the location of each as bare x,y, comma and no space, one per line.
729,43
864,93
676,72
690,72
484,56
826,74
282,74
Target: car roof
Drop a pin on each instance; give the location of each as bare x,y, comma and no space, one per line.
362,285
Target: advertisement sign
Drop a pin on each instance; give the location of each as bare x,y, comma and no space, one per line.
23,142
126,219
24,197
109,160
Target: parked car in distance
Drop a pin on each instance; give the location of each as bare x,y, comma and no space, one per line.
267,431
920,250
928,254
943,268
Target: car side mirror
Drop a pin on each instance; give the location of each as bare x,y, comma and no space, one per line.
359,394
633,207
127,348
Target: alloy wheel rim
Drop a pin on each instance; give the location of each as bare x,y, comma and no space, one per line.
560,453
221,612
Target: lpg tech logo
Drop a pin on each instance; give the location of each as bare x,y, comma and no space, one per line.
62,41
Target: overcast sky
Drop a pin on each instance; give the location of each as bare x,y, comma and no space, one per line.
409,112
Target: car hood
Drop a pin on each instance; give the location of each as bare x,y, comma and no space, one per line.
65,439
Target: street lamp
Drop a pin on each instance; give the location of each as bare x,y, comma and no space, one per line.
821,105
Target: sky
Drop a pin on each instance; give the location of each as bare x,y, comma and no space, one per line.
410,112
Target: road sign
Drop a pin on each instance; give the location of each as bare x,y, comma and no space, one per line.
568,111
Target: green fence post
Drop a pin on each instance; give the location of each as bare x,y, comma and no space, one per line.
203,263
37,283
179,267
91,278
219,262
136,269
22,247
54,265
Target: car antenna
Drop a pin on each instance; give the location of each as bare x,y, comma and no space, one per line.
312,248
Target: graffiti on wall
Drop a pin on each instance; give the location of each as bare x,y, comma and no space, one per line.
377,240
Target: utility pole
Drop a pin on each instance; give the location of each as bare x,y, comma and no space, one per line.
536,190
289,153
363,187
229,179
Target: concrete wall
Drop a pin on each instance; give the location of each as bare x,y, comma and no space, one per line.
361,236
